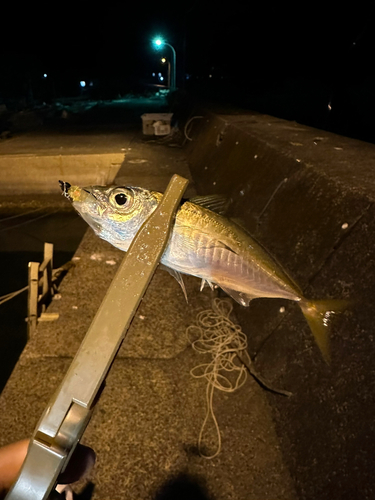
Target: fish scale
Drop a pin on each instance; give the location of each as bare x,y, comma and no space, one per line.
216,263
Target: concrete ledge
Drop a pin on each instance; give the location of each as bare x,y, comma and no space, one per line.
307,196
31,163
37,174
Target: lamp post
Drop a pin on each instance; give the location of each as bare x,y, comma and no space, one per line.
158,42
164,60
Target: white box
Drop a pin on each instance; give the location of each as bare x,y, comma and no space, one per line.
162,128
156,123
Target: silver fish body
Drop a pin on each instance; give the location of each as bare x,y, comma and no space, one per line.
215,249
203,244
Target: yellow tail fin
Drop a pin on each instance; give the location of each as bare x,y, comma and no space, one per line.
318,315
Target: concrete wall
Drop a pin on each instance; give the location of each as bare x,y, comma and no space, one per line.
307,196
35,174
30,163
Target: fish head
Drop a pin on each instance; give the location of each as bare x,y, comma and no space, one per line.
115,213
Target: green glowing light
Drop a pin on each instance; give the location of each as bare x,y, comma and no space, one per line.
158,42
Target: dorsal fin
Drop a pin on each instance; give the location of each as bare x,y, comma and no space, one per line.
216,202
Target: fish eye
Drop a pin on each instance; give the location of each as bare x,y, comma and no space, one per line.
121,198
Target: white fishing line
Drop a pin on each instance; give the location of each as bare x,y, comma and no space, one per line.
215,334
2,229
11,295
17,216
55,275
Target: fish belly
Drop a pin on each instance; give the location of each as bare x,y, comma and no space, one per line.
204,257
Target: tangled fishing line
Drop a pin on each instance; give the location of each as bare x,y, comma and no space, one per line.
214,333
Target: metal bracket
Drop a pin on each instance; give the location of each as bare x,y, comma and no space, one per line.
40,289
68,412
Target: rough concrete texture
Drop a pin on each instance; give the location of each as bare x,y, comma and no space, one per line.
30,163
145,430
146,425
96,262
307,196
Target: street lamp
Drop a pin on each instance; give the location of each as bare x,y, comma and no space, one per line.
159,42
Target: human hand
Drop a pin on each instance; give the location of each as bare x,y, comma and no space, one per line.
13,455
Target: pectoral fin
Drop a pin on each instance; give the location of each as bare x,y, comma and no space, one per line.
178,277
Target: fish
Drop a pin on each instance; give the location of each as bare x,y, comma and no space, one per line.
203,243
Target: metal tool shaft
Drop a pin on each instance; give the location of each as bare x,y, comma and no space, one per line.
69,410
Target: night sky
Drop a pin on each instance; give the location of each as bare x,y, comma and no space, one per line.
242,37
327,46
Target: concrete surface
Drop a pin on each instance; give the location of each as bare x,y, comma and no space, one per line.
32,162
146,425
308,197
85,141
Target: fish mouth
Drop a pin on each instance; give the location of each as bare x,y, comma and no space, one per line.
65,186
86,204
76,193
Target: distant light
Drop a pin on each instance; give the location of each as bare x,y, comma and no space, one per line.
45,75
163,60
82,83
159,74
161,78
153,74
209,76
